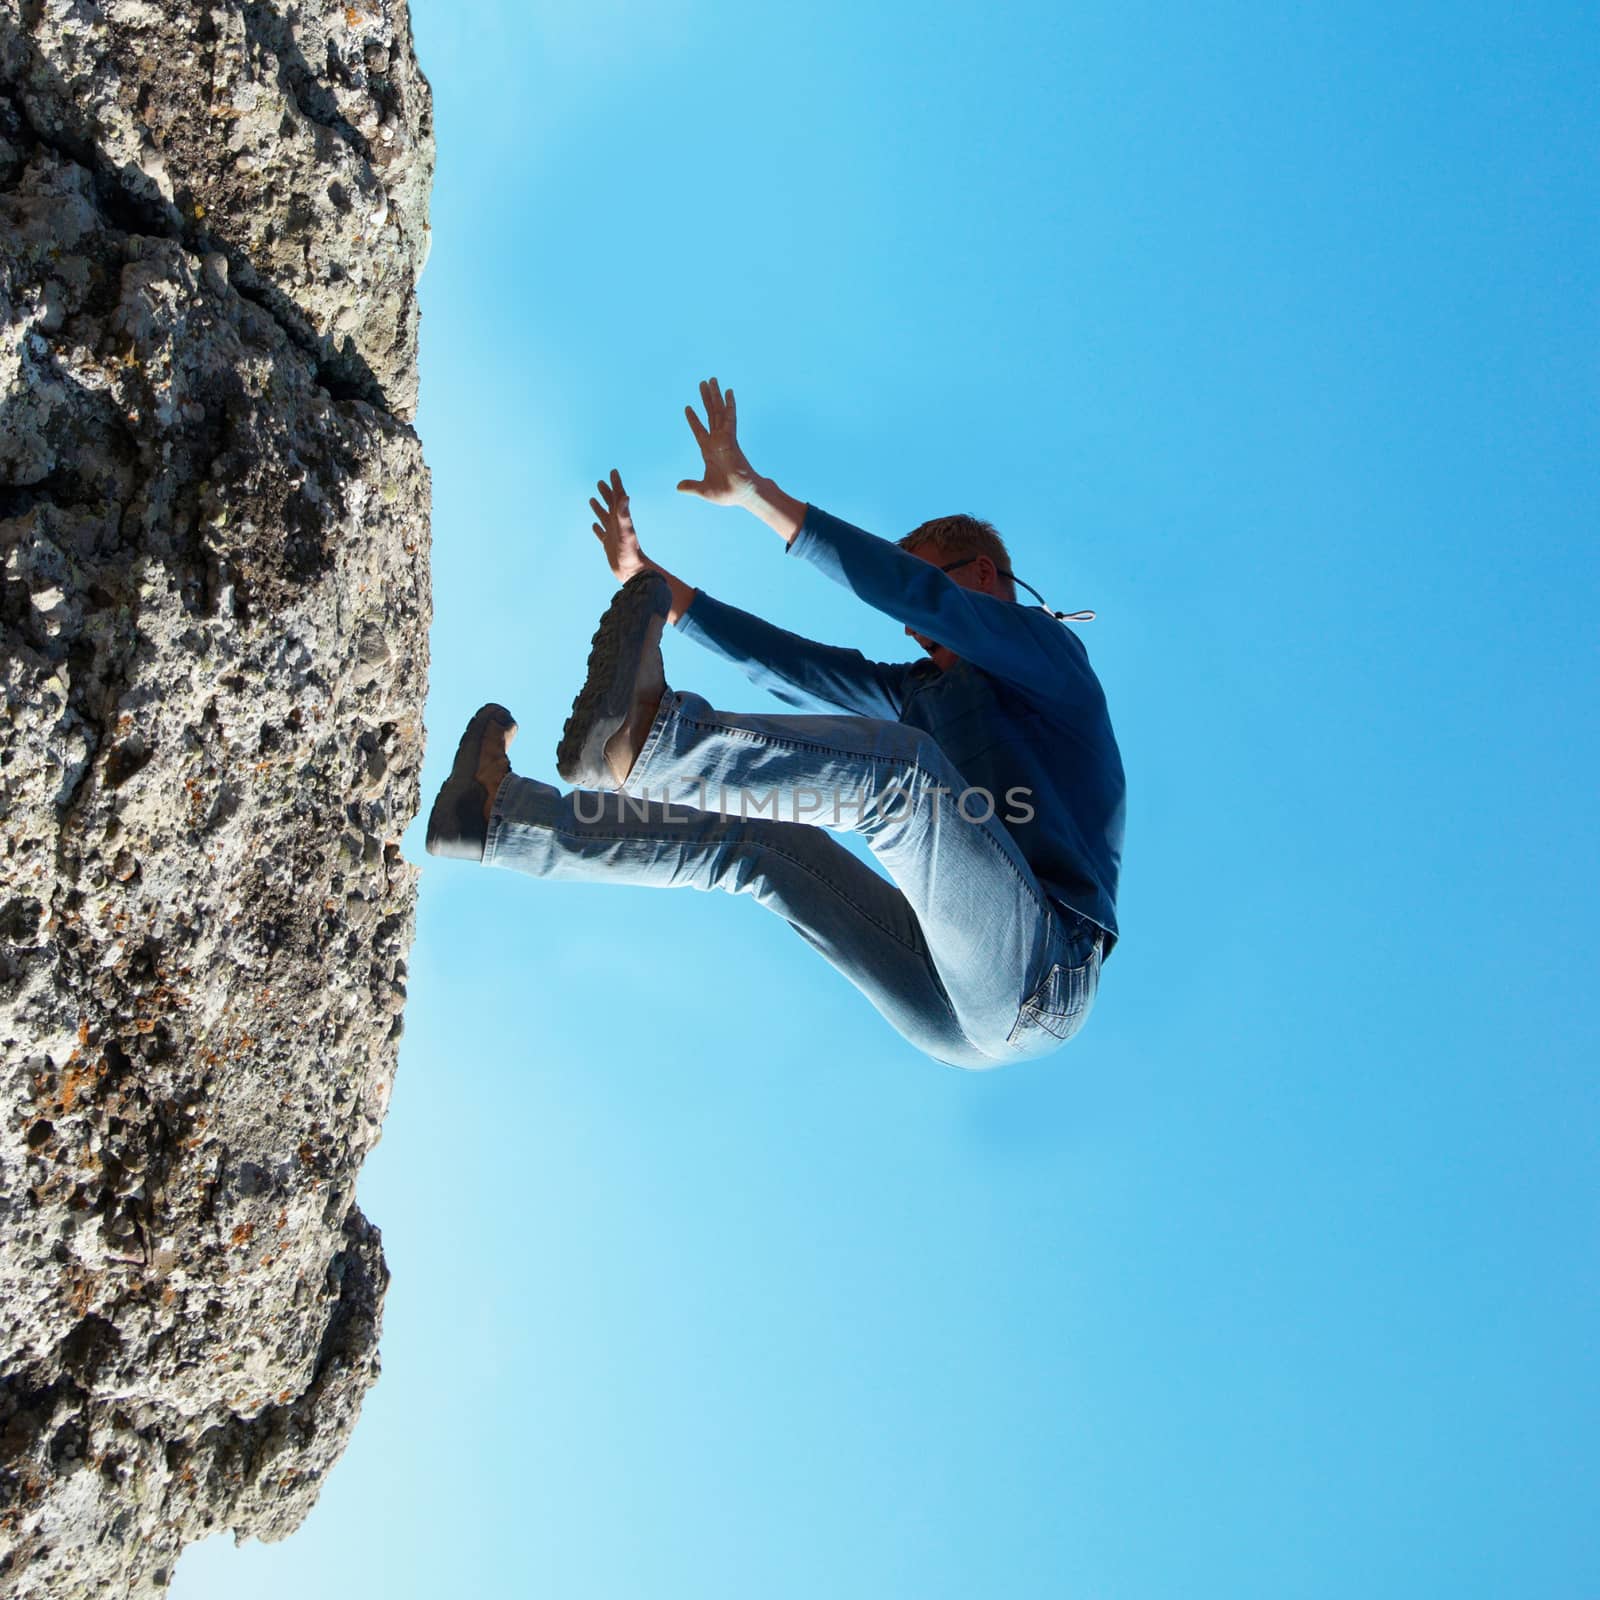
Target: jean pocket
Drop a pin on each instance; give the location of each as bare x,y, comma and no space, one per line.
1060,1006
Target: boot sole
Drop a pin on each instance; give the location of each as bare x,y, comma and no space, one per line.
606,698
455,825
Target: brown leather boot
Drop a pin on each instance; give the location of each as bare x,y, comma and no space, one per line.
618,700
458,825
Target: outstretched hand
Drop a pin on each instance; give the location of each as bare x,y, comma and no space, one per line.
614,529
729,478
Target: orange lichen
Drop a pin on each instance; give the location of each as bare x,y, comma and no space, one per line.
72,1080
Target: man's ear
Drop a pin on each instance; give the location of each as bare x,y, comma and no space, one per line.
988,575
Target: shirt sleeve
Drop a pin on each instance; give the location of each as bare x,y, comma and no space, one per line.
1023,644
793,668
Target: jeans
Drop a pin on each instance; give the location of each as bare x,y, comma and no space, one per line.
963,952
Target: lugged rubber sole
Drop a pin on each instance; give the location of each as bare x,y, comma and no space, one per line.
605,701
456,827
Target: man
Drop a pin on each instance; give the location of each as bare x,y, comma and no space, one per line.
985,779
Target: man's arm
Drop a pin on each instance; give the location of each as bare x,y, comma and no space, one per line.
792,667
1021,644
789,666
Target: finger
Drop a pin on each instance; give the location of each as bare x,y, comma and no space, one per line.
599,533
716,400
733,412
616,478
598,509
605,490
691,486
696,427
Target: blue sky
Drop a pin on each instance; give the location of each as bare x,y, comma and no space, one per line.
1269,334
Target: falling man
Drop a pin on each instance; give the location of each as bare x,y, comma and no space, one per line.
985,778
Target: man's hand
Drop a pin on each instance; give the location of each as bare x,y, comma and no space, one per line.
730,480
614,530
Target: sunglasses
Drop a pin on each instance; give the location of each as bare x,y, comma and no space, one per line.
1060,616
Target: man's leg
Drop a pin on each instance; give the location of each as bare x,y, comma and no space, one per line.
837,903
994,940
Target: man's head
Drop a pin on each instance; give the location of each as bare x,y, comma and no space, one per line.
975,556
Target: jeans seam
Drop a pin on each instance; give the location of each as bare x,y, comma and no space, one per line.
496,817
759,844
791,744
653,736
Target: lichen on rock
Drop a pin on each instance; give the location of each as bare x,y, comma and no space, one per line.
214,606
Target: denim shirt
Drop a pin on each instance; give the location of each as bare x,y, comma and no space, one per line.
1021,710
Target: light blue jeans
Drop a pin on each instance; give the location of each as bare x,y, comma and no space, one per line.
963,953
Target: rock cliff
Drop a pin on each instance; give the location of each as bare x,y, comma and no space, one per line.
213,650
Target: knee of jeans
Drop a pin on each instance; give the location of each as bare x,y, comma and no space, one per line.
924,752
920,767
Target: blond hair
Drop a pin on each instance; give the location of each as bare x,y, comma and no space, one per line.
963,536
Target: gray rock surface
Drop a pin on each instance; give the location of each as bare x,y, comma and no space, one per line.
214,606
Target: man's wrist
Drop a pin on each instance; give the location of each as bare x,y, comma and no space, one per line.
781,512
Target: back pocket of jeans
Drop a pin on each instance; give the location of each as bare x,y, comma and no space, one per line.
1061,1004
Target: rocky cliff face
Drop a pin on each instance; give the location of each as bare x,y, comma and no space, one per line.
213,645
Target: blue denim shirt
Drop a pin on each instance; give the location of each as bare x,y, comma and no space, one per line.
1021,710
